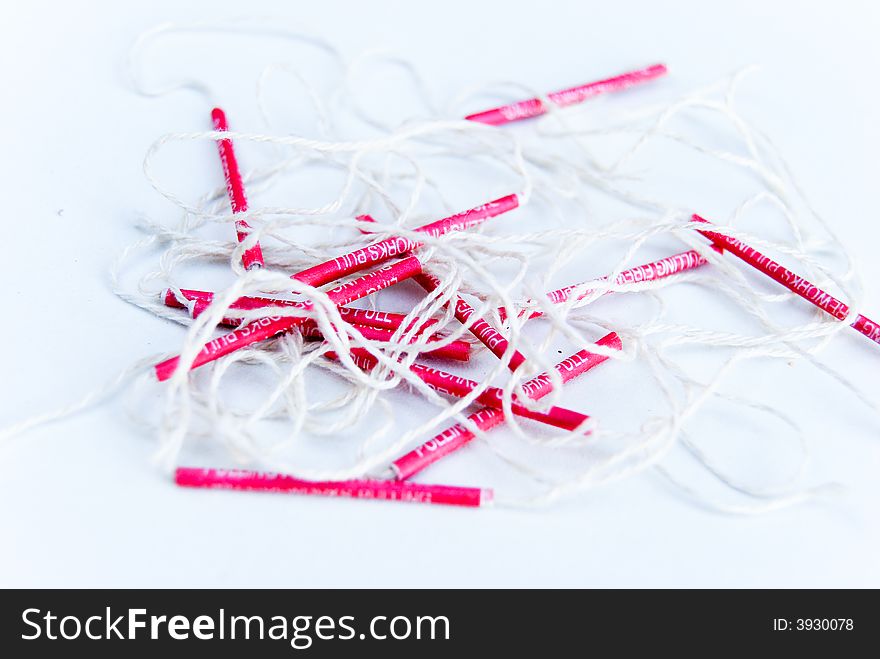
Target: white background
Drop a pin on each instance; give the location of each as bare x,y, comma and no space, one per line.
80,502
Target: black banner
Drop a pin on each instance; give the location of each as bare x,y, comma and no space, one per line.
289,623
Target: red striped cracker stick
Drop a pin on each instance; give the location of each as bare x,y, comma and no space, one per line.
665,267
456,436
379,319
236,479
458,350
534,107
375,325
485,333
488,335
795,283
457,386
253,257
265,328
382,250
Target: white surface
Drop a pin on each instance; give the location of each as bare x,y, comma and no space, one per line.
82,504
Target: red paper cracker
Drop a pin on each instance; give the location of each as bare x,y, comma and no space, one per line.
236,479
253,257
534,106
455,437
454,385
793,282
